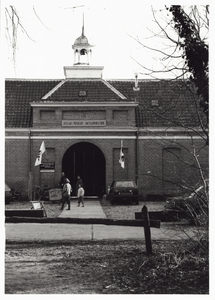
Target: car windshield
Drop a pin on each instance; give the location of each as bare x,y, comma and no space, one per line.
124,184
7,187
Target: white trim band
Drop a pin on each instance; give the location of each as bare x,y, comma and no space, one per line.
83,104
87,137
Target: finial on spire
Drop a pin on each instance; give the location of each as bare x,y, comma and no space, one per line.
83,26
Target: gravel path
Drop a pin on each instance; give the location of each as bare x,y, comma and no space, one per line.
52,209
117,211
127,211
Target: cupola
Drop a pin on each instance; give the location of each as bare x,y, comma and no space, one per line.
82,49
82,60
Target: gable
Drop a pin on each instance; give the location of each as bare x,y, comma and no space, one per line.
90,90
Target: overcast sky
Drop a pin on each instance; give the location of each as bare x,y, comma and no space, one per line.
53,27
109,25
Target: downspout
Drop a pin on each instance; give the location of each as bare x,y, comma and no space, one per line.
29,169
29,162
137,155
136,89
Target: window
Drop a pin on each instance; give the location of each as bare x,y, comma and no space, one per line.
83,51
171,167
155,103
82,94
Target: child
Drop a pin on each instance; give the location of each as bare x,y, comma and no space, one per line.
80,195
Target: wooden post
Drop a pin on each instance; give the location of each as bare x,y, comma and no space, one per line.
147,231
30,186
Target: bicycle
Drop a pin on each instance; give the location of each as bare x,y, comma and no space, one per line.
15,195
41,193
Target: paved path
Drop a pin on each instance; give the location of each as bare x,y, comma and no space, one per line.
62,232
92,209
68,232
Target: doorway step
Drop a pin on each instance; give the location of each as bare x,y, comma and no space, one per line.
85,197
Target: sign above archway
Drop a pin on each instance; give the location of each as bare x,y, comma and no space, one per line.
84,123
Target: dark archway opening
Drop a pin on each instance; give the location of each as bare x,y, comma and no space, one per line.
87,161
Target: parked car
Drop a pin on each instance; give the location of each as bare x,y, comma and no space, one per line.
123,190
193,207
8,194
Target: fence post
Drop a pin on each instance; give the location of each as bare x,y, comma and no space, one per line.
30,186
147,231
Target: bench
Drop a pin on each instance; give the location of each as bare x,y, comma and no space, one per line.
35,213
155,215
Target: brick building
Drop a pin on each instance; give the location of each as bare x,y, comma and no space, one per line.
83,118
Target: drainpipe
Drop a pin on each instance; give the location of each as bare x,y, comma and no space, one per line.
29,162
136,89
30,175
137,156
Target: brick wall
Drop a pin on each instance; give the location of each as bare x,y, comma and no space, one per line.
17,164
115,116
110,149
151,164
150,160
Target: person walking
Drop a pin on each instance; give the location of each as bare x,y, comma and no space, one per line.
80,195
61,183
79,181
67,189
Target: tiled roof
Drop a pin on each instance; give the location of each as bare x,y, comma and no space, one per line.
18,95
91,90
162,102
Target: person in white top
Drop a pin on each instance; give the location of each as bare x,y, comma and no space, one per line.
67,189
80,195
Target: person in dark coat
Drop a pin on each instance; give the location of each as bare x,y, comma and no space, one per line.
62,180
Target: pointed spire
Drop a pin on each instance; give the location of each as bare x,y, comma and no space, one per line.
83,26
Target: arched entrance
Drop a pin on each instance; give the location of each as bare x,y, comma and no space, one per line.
87,161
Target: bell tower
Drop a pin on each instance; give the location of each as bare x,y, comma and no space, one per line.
82,60
82,49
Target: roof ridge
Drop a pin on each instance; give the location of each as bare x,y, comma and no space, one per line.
83,79
144,79
114,89
30,79
54,89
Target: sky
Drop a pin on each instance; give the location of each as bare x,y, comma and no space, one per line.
111,26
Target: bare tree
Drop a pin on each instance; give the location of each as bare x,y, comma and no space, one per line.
185,172
13,24
195,48
183,50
